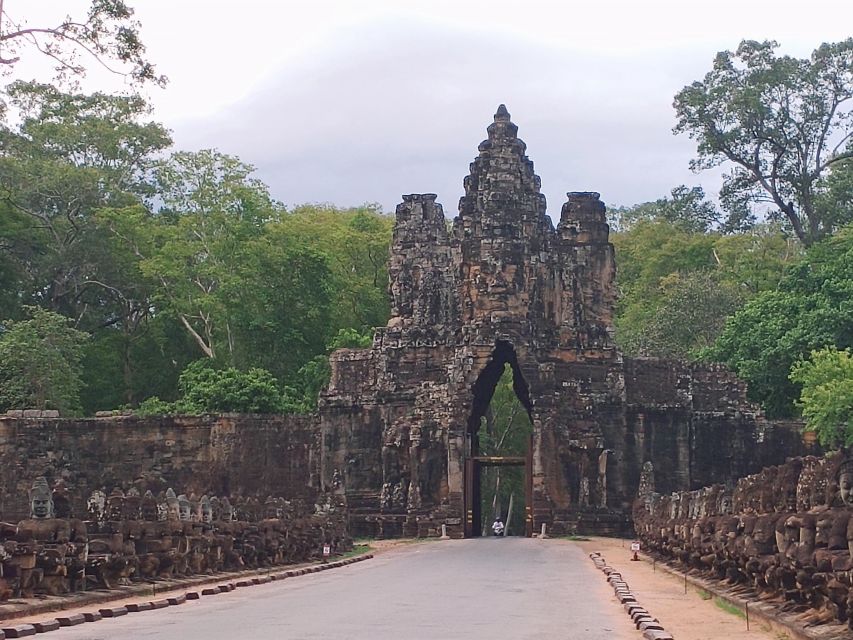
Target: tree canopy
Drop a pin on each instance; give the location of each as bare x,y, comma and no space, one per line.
827,396
107,34
810,310
784,124
40,363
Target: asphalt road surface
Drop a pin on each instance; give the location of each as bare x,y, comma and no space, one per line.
506,589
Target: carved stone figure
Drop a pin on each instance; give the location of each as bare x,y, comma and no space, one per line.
41,500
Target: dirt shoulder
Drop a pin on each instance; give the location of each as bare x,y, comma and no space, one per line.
691,616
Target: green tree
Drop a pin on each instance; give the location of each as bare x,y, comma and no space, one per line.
193,248
686,208
40,363
69,156
783,123
688,316
206,389
809,311
677,286
106,34
827,396
356,242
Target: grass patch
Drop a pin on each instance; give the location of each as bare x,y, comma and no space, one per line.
357,549
573,538
705,595
728,607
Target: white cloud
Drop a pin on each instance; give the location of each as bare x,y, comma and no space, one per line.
350,102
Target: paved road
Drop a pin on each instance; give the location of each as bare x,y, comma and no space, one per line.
511,589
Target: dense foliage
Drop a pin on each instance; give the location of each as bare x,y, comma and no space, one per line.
811,309
40,363
827,396
784,126
165,257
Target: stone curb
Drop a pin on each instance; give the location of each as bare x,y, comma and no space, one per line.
757,609
24,630
650,626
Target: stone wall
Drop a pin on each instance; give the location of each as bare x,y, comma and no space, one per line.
228,455
694,423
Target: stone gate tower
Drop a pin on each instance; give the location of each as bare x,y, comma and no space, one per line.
502,286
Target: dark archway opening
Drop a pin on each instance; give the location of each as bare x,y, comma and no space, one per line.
498,481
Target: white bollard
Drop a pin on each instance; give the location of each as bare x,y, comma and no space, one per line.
444,535
542,535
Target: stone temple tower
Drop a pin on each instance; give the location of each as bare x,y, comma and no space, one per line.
502,286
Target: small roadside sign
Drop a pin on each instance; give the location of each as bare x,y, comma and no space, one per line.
327,550
635,547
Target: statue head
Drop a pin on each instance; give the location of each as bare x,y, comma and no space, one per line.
173,507
96,506
206,509
195,508
227,510
725,503
131,505
115,505
148,507
184,508
845,482
271,508
41,501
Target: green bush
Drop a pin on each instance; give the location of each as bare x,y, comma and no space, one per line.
827,396
40,363
205,389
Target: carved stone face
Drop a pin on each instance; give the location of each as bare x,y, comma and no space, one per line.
41,507
206,511
184,510
845,487
173,510
725,504
41,503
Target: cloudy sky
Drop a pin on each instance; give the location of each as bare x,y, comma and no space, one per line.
355,101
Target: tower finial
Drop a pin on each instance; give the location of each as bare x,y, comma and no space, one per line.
502,114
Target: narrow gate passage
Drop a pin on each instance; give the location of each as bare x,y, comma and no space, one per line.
512,588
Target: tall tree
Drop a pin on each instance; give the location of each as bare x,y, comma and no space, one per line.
40,363
356,241
193,248
69,156
677,286
784,123
686,208
107,34
810,310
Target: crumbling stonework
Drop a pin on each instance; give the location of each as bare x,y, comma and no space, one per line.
784,534
227,455
128,537
503,286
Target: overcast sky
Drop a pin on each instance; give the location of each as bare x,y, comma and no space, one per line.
355,101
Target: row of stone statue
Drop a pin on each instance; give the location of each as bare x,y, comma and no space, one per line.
785,534
128,537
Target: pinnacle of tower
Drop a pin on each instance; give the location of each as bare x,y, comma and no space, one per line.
502,127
